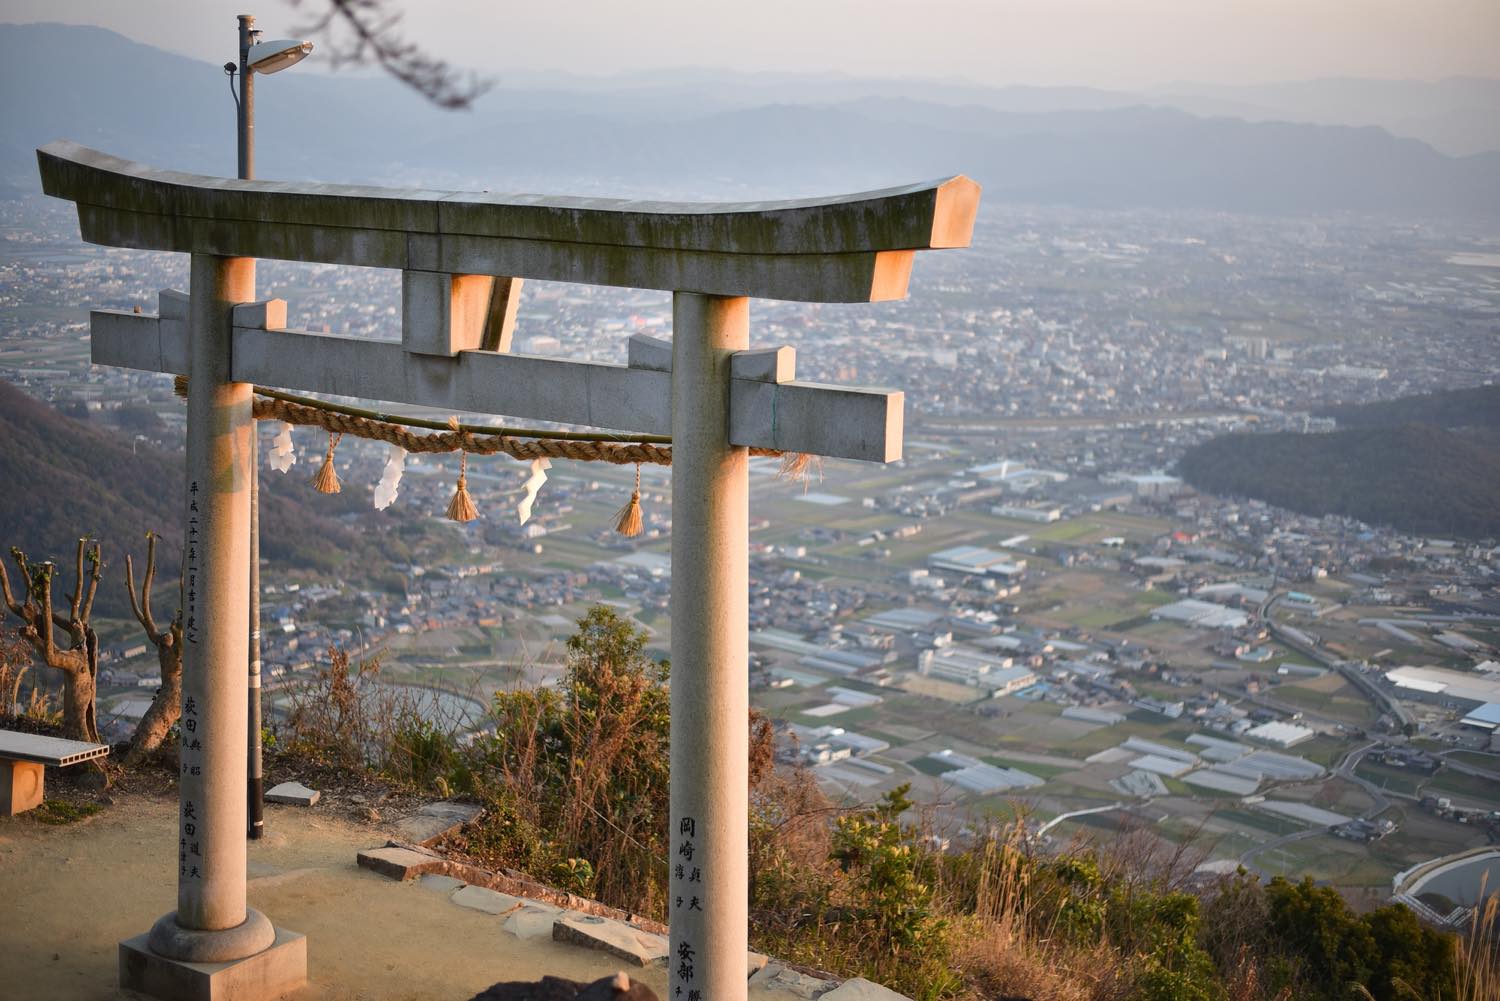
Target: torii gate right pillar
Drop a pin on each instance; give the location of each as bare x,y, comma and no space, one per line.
710,641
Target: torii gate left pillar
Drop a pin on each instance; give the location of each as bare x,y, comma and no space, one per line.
217,947
462,259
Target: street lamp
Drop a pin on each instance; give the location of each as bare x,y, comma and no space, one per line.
264,58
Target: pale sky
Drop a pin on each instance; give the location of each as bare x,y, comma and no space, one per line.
1102,43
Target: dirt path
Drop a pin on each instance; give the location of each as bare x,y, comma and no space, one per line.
69,894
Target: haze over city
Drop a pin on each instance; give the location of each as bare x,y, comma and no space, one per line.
1087,43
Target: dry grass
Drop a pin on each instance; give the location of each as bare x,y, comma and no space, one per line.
1477,952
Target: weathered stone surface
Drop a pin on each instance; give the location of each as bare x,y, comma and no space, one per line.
293,794
839,422
847,248
776,977
435,820
270,973
755,962
440,883
480,899
398,863
614,937
860,989
532,920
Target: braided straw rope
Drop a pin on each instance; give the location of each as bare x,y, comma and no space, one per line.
619,453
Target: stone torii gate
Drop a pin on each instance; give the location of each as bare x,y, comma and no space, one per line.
462,259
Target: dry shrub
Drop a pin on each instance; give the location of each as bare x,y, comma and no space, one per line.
1009,949
15,662
582,770
342,719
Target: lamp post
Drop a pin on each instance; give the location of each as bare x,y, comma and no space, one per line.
264,58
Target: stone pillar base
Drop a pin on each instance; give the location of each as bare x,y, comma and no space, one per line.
265,976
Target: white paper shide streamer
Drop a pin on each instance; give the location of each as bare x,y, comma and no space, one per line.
533,483
390,477
283,452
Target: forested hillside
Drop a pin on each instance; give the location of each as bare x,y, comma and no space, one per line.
1417,478
61,478
1478,407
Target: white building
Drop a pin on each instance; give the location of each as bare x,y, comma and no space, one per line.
1204,614
976,668
977,560
1020,513
1280,734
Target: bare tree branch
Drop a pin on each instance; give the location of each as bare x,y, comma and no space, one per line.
75,600
142,607
375,39
166,706
49,648
96,570
10,600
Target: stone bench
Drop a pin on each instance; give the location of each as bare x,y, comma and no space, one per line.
22,756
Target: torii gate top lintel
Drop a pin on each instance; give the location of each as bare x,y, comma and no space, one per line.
848,248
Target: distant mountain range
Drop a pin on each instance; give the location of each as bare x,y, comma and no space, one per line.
696,134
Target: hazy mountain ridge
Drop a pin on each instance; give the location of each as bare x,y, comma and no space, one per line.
663,136
1458,115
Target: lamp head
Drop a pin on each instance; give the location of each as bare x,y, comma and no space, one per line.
272,57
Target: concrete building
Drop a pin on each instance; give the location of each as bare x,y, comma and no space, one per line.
968,666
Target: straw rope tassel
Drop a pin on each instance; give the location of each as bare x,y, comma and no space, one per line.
461,507
327,480
628,520
794,466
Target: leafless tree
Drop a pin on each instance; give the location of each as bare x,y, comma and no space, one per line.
79,659
167,705
372,35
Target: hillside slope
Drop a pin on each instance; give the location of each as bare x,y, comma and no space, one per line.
61,479
1478,407
1417,478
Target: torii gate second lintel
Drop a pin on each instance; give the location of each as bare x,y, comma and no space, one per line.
463,258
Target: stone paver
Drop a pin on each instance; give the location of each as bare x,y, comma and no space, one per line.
614,937
434,820
533,919
776,977
440,883
292,794
398,863
860,989
490,901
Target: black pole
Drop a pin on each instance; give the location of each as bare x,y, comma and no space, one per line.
245,133
246,123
